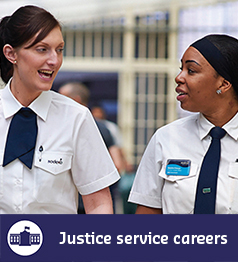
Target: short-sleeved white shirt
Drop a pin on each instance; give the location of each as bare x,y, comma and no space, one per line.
186,139
74,158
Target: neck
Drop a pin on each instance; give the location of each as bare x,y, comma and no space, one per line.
22,94
223,116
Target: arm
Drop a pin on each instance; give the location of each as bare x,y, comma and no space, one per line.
99,202
147,187
148,210
115,153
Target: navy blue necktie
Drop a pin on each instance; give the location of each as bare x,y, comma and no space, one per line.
207,182
21,138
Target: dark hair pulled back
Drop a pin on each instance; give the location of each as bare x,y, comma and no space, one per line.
19,28
228,46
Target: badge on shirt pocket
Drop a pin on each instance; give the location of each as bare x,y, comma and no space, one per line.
178,167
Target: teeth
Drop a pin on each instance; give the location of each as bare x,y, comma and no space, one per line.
46,72
45,76
181,93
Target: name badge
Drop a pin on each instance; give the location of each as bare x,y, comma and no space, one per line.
178,167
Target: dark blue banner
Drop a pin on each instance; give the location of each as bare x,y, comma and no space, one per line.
118,238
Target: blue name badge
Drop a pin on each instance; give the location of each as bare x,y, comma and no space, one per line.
178,167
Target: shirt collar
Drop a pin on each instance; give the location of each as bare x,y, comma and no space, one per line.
205,126
11,105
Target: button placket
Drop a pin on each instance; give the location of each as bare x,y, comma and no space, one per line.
18,188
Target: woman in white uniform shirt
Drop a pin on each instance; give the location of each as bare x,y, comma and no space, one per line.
208,84
69,154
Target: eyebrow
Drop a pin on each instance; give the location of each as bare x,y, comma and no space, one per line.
192,61
45,43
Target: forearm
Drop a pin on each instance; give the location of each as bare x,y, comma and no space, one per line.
99,202
117,158
148,210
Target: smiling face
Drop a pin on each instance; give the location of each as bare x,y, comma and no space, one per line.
197,83
36,67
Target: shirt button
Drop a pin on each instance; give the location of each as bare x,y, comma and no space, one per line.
18,181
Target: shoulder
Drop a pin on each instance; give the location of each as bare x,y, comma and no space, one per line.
180,126
68,109
185,121
66,102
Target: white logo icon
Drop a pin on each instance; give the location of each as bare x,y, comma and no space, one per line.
25,238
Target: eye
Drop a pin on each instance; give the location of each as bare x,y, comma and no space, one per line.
41,49
190,71
60,50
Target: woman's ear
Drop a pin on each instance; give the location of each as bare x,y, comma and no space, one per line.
10,53
226,85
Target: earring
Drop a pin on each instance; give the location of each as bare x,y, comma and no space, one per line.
15,61
218,91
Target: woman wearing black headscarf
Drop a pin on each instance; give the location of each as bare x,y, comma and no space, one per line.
190,166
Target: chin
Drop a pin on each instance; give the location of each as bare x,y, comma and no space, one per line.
187,108
45,86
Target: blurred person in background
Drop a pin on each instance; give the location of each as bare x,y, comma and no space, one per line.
123,187
99,114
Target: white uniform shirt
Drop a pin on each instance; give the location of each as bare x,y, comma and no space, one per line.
74,158
188,139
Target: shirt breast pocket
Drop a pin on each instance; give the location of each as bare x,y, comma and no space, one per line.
233,175
52,177
178,192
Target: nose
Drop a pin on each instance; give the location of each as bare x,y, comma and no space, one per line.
53,59
179,78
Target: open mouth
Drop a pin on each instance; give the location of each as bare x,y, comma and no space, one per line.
181,93
46,73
